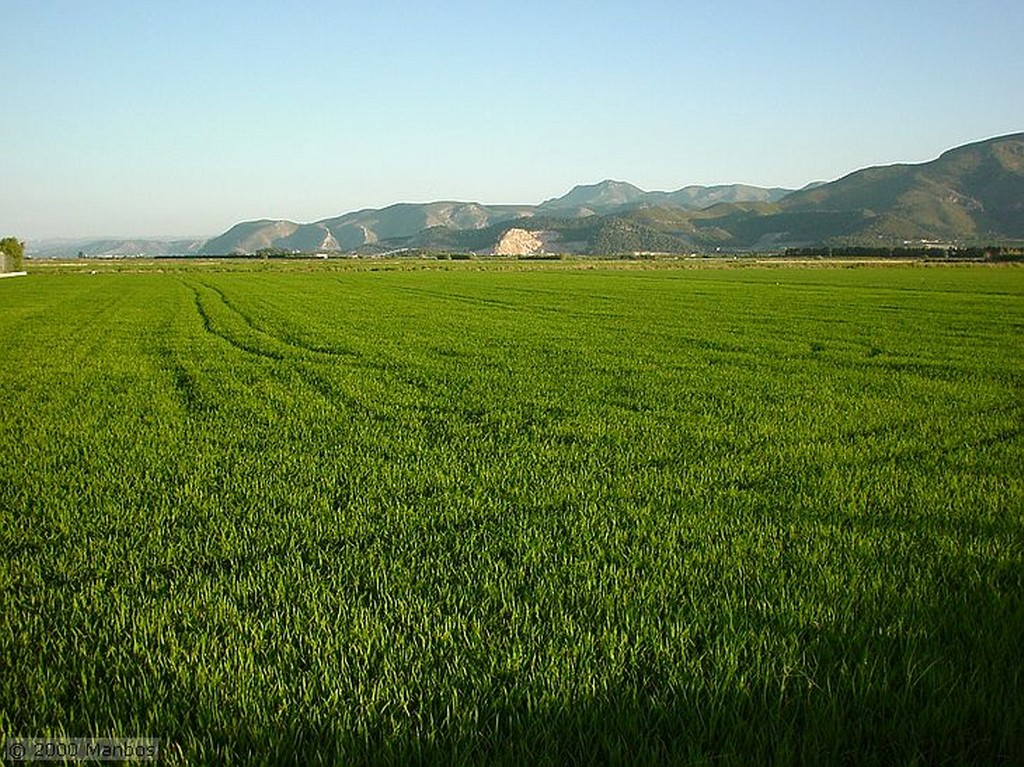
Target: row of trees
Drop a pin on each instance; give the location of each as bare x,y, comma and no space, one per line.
13,251
987,253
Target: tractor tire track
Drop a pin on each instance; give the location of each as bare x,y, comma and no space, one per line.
286,340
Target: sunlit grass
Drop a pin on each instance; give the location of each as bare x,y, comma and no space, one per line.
535,517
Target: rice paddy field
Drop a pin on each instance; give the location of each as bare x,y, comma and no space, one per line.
545,516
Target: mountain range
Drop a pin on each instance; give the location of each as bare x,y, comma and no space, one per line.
973,194
439,224
70,247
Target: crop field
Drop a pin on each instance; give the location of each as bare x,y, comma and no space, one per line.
531,516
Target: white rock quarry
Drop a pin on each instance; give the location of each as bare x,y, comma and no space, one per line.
522,242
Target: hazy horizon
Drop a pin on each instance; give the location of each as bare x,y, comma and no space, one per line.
142,121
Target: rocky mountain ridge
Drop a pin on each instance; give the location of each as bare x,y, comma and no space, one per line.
970,194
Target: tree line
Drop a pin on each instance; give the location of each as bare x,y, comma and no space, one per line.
13,251
979,253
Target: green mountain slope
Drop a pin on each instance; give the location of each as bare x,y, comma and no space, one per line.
614,197
973,191
972,194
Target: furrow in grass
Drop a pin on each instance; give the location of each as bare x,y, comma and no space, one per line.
281,338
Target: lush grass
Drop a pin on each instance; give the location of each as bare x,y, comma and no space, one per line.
538,517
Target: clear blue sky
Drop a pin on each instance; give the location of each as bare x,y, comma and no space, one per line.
151,117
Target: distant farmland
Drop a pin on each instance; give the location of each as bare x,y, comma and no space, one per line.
538,516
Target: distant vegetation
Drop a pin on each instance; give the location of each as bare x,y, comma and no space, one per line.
432,513
986,253
12,252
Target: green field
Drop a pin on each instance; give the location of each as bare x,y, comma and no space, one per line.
534,516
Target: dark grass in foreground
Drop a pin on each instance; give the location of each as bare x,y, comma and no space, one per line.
546,517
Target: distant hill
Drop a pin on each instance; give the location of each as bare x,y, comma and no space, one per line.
251,236
363,228
617,196
973,194
368,227
604,197
431,224
970,195
70,248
